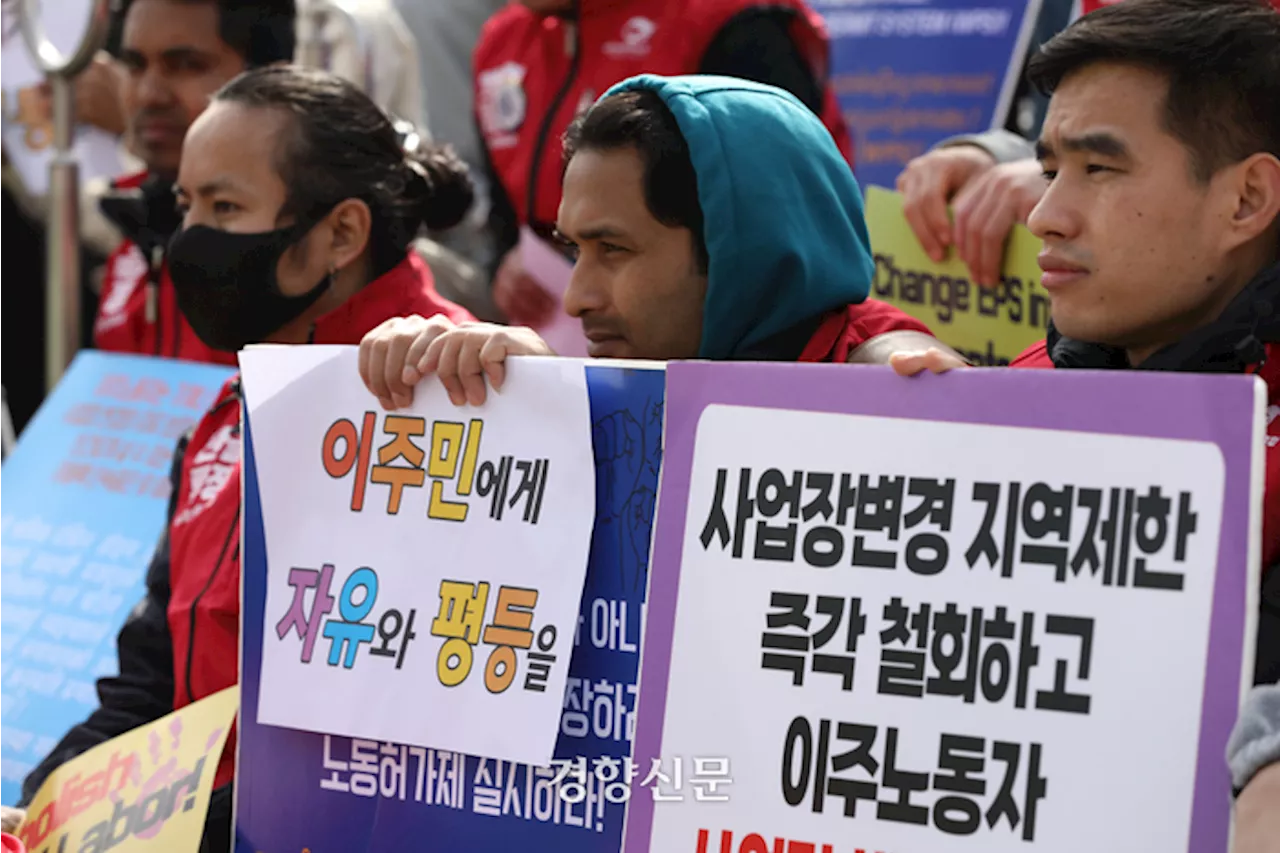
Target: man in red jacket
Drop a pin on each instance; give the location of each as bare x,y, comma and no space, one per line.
176,53
541,63
1161,219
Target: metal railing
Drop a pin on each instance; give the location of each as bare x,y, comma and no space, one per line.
62,264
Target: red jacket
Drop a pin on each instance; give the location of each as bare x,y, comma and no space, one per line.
138,311
181,643
844,331
534,74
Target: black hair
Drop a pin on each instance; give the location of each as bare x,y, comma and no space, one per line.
342,145
1222,59
262,31
640,120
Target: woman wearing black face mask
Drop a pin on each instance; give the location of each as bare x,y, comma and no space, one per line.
299,206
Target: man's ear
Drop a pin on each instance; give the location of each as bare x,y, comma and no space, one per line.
350,223
1257,204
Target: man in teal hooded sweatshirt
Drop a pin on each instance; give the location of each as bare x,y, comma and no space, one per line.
710,218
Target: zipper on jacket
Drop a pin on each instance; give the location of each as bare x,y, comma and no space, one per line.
195,602
573,45
153,292
234,396
177,327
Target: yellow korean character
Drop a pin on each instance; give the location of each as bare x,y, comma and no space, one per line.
461,616
449,459
509,630
401,446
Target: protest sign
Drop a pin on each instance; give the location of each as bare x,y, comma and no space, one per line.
909,75
147,789
432,557
85,495
988,325
979,609
332,794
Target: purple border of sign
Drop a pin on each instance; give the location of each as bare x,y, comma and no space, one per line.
1189,407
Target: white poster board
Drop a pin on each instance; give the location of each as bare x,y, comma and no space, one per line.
992,611
446,547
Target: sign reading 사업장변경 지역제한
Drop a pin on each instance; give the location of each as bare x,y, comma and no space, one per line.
940,628
449,572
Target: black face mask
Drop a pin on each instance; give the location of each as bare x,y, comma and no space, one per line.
226,283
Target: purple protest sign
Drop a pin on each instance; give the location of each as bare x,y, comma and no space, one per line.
992,604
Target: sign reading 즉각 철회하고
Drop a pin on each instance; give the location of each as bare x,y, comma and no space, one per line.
918,614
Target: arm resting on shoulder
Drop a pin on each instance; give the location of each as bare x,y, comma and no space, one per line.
1004,146
1255,741
143,690
878,349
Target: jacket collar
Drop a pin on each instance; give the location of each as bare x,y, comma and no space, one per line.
145,210
1231,344
406,288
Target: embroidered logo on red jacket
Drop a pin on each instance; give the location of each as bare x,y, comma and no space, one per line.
502,104
634,40
211,470
124,274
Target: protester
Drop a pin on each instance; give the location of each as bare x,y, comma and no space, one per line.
299,209
1253,754
1161,219
176,54
712,218
540,63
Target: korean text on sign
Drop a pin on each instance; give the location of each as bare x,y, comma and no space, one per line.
434,556
988,599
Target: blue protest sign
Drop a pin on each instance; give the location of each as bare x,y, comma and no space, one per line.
909,75
297,790
85,493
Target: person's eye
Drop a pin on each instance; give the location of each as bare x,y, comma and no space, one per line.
1096,168
224,207
611,248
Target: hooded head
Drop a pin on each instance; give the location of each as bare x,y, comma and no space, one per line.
713,218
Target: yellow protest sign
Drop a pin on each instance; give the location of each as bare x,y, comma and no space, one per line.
988,325
149,787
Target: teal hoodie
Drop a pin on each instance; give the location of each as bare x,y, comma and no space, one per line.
782,213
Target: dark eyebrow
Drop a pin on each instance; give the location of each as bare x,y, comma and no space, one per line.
603,232
209,188
180,53
1103,144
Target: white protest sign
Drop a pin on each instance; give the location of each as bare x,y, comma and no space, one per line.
897,635
424,566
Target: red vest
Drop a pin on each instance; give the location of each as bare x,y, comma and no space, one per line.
138,310
844,331
1037,356
534,74
204,532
